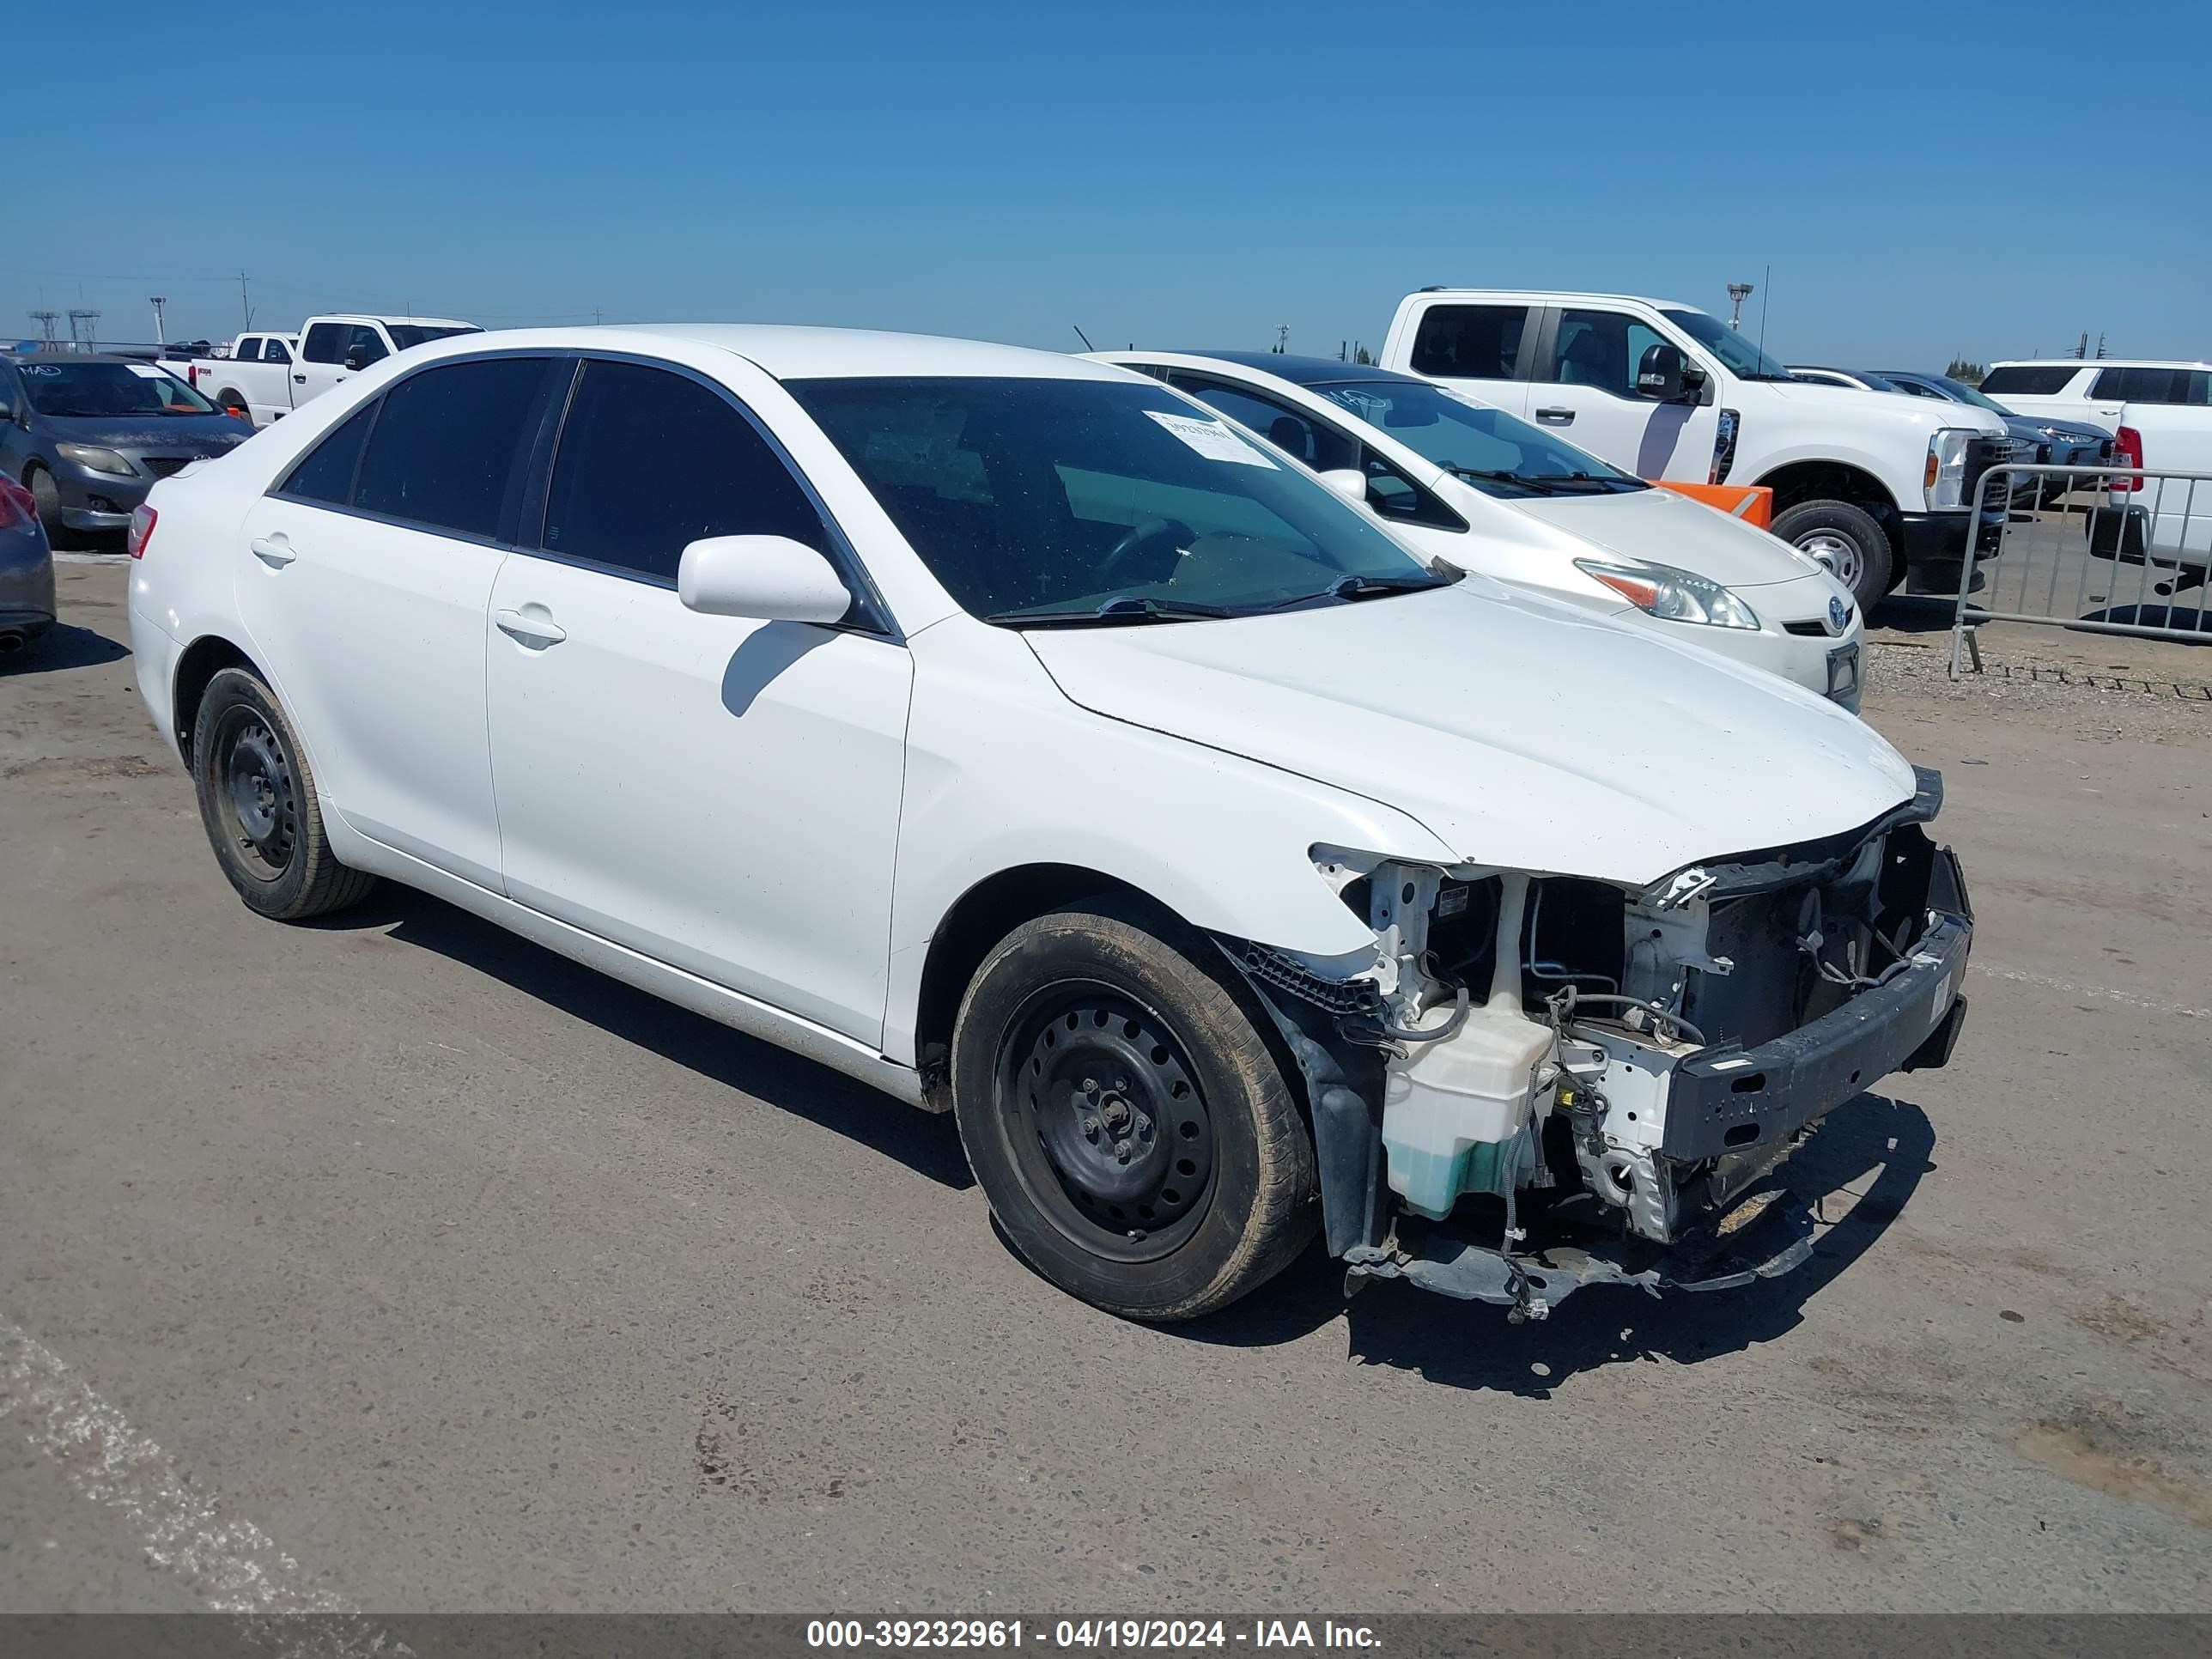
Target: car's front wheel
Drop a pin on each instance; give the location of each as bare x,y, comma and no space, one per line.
1137,1138
257,800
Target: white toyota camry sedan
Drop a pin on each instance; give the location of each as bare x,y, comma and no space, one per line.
1009,732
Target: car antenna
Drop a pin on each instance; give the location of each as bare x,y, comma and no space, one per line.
1081,336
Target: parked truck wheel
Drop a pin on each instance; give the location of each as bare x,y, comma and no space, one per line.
233,403
1847,539
1135,1135
259,802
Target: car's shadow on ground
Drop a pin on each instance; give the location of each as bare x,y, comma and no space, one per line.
62,645
1867,1158
925,1142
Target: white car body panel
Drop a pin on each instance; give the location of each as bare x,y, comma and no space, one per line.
1200,763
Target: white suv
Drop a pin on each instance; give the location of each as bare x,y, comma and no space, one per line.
1008,731
1874,486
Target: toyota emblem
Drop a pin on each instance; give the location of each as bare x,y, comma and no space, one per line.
1839,614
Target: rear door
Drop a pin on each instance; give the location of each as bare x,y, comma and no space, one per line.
364,580
716,793
1588,365
1483,348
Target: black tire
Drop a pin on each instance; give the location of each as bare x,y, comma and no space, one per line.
1850,532
1215,1198
259,802
48,496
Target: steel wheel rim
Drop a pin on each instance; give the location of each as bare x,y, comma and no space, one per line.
1837,552
1110,1130
256,794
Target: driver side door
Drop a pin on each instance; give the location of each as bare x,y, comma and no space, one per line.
1587,390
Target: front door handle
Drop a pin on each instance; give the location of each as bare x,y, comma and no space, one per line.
301,378
538,631
274,551
1556,416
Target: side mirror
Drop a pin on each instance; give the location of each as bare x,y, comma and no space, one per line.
1659,375
771,578
356,360
1348,482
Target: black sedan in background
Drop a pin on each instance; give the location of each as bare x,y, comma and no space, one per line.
89,435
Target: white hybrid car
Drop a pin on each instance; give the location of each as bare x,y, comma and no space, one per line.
1009,732
1447,473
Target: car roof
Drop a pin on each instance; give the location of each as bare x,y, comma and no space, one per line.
71,357
1298,371
1542,295
2101,362
790,353
387,318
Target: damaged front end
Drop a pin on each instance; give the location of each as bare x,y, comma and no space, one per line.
1538,1082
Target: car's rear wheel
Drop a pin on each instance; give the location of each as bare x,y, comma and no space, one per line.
257,801
1848,540
1137,1138
48,494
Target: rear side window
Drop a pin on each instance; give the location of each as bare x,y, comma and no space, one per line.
651,461
326,474
1473,343
273,351
326,342
2154,385
2029,380
449,446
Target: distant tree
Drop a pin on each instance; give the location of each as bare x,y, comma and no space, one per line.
1360,354
1960,369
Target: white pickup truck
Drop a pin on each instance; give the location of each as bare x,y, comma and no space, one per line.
1874,486
268,375
2159,414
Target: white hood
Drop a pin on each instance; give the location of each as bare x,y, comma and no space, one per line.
1522,735
1664,528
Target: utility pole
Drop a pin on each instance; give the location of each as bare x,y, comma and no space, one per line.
243,304
2100,343
1737,293
2082,346
1282,338
161,331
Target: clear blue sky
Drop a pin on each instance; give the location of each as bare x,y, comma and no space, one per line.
1922,178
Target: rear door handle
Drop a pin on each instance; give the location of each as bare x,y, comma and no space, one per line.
301,378
275,552
539,631
1556,416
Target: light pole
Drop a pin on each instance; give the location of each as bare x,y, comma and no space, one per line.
1738,293
161,333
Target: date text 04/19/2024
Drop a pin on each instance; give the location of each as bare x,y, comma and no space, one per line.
1169,1635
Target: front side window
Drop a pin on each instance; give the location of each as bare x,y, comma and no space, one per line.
1053,500
449,446
1470,342
64,388
2029,380
273,351
1743,357
325,473
651,461
1602,349
1500,454
364,346
326,342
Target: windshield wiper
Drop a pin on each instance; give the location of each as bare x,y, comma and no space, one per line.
1593,480
1348,588
1122,608
1482,475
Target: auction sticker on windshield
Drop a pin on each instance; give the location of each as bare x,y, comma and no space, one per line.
1212,440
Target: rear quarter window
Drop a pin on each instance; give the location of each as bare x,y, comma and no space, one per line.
2029,380
1470,342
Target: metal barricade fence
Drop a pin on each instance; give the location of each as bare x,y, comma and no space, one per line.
2101,548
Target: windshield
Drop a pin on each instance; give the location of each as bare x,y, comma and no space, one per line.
66,388
1744,360
1052,500
414,334
1960,391
1498,453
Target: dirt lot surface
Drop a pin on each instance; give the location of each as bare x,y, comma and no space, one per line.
395,1264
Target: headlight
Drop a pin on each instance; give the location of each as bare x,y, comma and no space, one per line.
98,459
1674,595
1945,484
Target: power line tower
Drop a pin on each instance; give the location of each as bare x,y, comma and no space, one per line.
45,320
2100,343
2082,346
90,320
1282,338
1738,293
